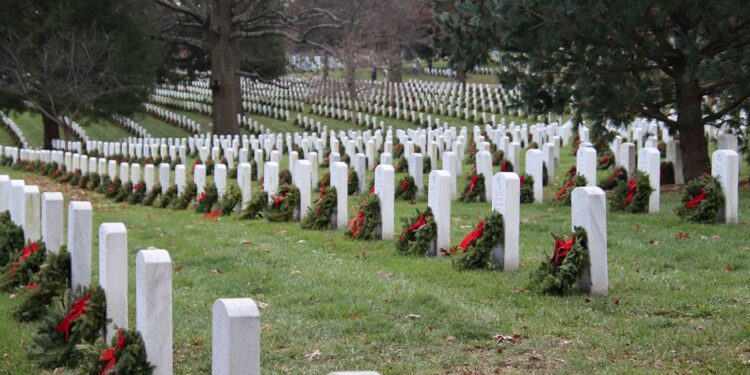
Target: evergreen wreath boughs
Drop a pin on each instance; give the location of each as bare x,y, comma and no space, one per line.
49,283
285,177
563,195
104,185
168,197
545,175
506,166
406,189
606,161
474,189
632,196
183,201
527,188
75,318
230,199
320,217
22,269
702,200
477,247
498,157
139,191
94,181
401,165
419,232
426,165
609,183
255,207
398,150
124,192
666,172
151,196
284,205
11,238
207,199
113,188
324,181
363,226
127,355
353,183
560,273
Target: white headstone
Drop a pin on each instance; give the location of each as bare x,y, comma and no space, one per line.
674,155
113,274
32,213
244,174
164,177
649,161
725,167
586,164
589,211
302,181
384,188
4,192
153,307
506,200
360,166
52,221
271,178
627,157
220,179
79,242
534,167
439,200
235,337
484,167
416,168
339,177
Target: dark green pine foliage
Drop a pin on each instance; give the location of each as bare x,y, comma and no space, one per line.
52,281
11,238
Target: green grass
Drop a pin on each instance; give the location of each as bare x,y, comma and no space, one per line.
674,305
6,137
158,128
30,124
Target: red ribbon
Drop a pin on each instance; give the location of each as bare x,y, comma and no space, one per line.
356,223
604,159
504,167
32,287
322,191
202,197
137,187
698,198
109,354
25,254
561,250
631,192
523,179
404,184
472,183
473,236
572,171
197,162
212,214
78,309
56,173
564,189
422,221
278,199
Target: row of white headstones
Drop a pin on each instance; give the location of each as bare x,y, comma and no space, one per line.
236,321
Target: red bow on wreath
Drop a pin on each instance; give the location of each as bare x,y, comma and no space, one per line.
523,179
603,159
109,354
695,201
561,250
565,189
422,221
202,197
278,199
137,187
78,309
197,162
372,189
25,254
356,222
631,192
211,214
504,167
473,236
473,183
404,184
322,191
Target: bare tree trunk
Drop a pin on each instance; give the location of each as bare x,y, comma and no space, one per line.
693,143
225,63
394,65
461,73
326,68
51,131
350,76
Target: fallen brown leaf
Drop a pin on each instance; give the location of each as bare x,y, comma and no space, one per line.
681,235
355,316
246,242
262,305
314,355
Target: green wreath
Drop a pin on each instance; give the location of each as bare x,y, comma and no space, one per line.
285,177
104,186
474,189
618,176
154,193
702,200
168,197
25,265
256,206
606,161
49,283
76,318
398,150
207,199
324,182
126,355
559,274
476,249
139,191
506,166
284,205
419,232
353,183
563,195
183,201
363,226
406,189
527,188
11,238
632,196
124,192
401,165
230,199
498,157
320,217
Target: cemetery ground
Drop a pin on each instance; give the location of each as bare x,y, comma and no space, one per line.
679,295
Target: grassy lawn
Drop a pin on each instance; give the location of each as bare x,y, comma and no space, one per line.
677,303
6,137
30,124
158,128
